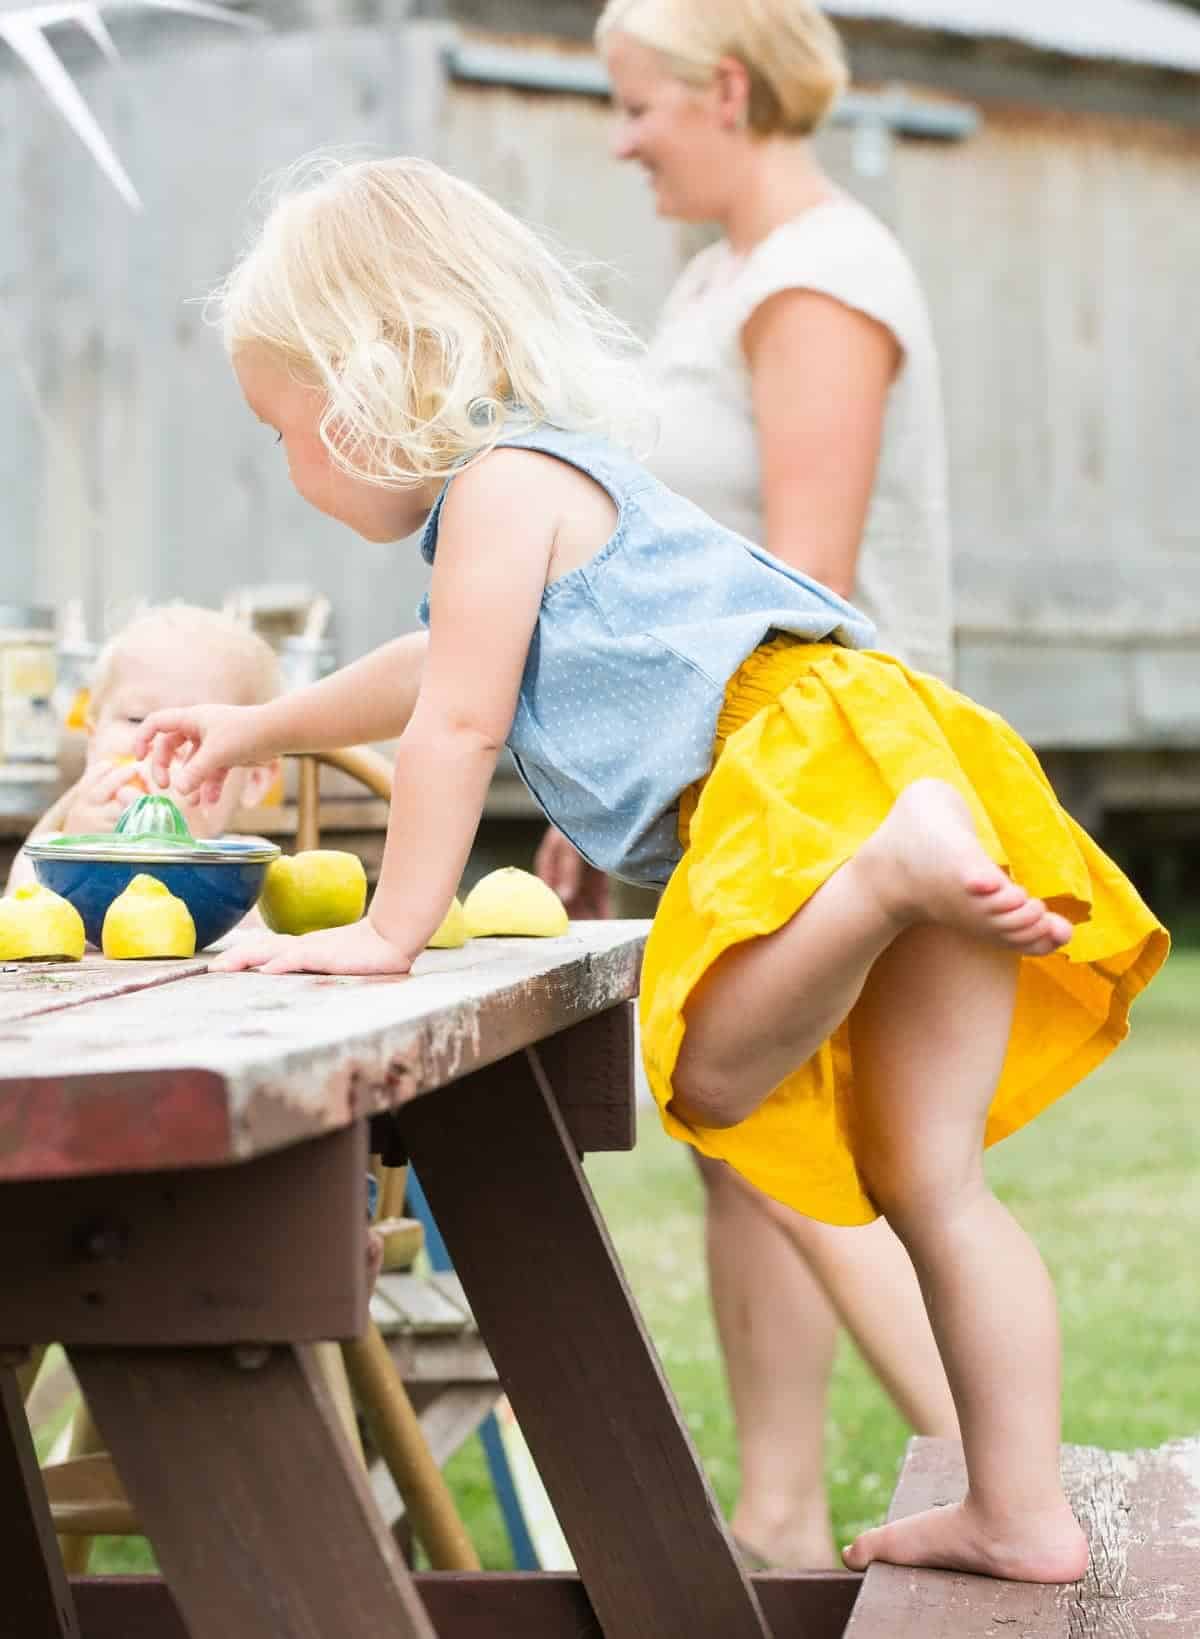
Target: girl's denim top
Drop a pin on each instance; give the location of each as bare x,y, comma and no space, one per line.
629,660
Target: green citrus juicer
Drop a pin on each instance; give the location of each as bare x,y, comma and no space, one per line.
218,881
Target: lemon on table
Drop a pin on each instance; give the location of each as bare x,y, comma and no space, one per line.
511,901
147,920
453,931
319,888
39,926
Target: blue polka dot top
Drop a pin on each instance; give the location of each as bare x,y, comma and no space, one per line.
631,654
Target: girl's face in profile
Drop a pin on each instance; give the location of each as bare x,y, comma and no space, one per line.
294,410
680,134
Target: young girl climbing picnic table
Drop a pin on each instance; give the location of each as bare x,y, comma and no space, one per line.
882,944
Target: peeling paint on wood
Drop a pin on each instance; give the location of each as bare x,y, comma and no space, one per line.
213,1067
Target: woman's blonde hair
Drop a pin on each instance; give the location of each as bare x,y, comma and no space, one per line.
434,321
789,48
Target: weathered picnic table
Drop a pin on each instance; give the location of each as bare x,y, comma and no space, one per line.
183,1161
182,1198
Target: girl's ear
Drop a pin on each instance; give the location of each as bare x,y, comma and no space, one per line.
731,85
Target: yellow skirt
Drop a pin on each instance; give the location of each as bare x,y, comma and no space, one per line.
814,745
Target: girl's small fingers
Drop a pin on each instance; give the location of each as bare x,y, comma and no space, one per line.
185,771
261,954
161,752
160,725
250,953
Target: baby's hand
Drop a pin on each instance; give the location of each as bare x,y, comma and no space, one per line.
195,748
103,794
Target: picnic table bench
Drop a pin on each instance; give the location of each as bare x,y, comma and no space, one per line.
183,1162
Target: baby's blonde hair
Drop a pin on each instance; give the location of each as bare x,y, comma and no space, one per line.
254,675
433,320
789,48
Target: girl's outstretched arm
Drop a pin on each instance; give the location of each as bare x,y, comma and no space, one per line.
493,558
371,699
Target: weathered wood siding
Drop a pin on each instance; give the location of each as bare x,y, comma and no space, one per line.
133,468
1059,254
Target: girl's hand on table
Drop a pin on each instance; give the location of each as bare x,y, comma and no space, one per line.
355,949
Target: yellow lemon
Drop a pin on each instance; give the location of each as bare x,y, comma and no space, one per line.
320,888
453,931
39,926
513,901
147,920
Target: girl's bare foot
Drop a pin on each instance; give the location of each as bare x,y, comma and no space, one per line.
926,864
1046,1547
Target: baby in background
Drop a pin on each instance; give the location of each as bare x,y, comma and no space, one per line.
171,656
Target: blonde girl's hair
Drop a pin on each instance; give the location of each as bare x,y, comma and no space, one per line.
789,48
251,664
434,321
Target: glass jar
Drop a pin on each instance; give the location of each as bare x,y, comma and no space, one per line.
28,721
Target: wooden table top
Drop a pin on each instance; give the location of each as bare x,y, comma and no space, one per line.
122,1066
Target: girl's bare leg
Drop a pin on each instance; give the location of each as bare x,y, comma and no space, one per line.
769,1004
929,1036
776,1277
892,1333
778,1334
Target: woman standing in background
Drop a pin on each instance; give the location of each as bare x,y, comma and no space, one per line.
799,404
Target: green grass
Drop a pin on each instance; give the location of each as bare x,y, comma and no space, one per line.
1107,1182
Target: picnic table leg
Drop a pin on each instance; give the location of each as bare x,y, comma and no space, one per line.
37,1601
503,1180
257,1508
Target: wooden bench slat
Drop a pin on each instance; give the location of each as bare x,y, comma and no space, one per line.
446,1281
441,1357
418,1305
487,1605
1141,1512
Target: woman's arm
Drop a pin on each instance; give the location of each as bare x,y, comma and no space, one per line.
820,374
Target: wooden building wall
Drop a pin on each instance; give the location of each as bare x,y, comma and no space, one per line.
1059,252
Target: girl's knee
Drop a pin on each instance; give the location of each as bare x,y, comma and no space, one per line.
915,1193
701,1101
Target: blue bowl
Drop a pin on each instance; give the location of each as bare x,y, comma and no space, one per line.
217,890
